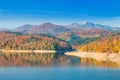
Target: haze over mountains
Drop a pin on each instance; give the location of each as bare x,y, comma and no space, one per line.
53,29
23,28
92,25
49,28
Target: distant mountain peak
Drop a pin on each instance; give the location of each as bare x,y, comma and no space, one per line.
26,25
23,28
88,23
48,28
3,29
47,24
75,24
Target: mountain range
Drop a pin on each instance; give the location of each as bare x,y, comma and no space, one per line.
92,25
56,36
72,33
49,28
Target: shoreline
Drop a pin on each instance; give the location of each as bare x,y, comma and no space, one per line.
114,57
30,51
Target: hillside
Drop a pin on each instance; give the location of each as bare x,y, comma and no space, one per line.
83,33
53,29
90,25
48,28
11,41
83,36
109,44
23,28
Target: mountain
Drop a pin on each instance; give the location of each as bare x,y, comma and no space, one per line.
48,28
83,36
11,41
107,44
23,28
87,25
2,29
105,27
83,33
53,29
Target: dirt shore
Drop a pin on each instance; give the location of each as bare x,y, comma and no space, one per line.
114,57
29,51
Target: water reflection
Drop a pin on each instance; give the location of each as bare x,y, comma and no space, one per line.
30,59
93,62
48,60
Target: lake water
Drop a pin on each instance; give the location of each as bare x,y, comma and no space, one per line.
31,66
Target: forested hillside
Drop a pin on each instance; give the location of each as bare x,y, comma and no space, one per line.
9,40
110,44
77,37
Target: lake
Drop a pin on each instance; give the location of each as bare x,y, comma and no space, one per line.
50,66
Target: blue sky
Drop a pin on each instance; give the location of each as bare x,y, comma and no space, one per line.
14,13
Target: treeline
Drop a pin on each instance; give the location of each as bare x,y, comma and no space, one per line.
108,44
11,41
82,41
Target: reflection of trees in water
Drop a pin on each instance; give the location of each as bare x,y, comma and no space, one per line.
93,62
29,59
49,59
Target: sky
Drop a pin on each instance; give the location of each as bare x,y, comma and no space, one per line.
14,13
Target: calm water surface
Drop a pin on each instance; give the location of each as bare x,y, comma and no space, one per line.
31,66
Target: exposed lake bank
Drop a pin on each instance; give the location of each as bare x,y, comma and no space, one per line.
114,57
30,51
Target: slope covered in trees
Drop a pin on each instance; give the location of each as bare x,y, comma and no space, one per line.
109,44
77,37
12,41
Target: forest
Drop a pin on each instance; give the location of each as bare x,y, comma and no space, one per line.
107,44
17,41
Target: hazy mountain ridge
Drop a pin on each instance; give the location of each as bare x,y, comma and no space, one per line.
49,28
24,28
3,29
86,25
84,33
